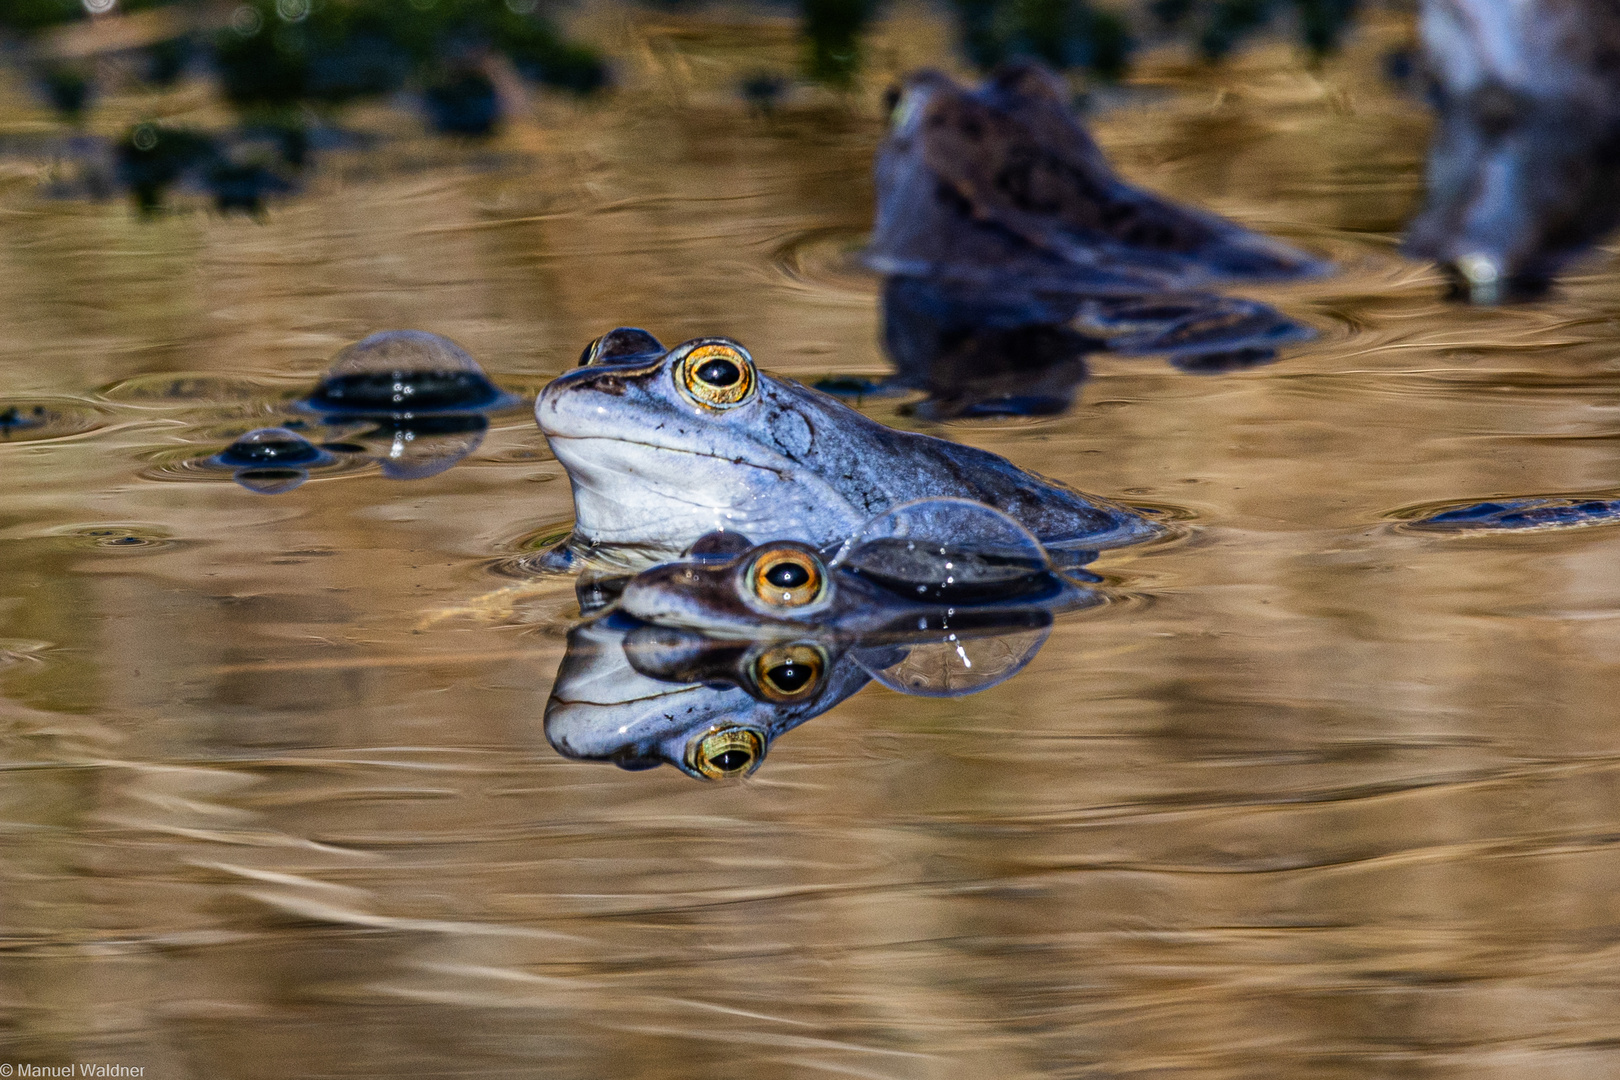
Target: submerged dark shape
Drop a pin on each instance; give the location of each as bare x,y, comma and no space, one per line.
698,439
405,372
1003,182
462,101
14,418
1536,512
241,187
154,157
974,356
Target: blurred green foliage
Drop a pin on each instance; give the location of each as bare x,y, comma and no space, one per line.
275,55
832,30
1063,33
1219,26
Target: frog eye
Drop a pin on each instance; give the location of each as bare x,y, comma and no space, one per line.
789,673
726,752
787,578
717,375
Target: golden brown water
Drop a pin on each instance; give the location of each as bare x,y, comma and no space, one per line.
1329,799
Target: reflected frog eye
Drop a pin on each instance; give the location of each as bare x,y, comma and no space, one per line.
716,375
787,578
725,752
789,673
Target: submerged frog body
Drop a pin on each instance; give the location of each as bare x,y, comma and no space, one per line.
1520,515
667,447
1003,181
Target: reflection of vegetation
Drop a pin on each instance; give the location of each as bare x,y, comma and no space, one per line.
832,29
1063,33
1218,26
277,55
1080,34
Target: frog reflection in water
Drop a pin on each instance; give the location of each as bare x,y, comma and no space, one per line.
662,447
978,351
711,657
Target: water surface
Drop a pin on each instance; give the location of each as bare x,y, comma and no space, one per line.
1328,795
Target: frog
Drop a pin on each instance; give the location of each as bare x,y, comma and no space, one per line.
1002,181
663,446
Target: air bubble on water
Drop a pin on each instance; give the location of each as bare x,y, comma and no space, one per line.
270,448
399,372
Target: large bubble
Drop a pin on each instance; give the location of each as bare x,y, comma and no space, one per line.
947,550
956,664
405,371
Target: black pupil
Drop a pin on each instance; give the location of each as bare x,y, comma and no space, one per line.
732,760
790,677
719,373
788,575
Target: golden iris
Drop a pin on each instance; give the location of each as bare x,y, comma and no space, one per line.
728,751
787,577
789,673
715,374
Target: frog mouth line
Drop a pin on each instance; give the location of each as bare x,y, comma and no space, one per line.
625,701
781,474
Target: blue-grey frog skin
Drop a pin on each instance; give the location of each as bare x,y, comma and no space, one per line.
663,447
1001,182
